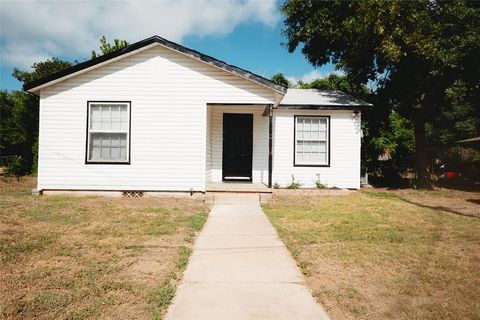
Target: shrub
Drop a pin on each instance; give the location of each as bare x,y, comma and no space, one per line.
15,167
319,184
276,185
294,184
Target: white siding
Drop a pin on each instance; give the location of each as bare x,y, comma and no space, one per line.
260,141
168,93
345,135
208,161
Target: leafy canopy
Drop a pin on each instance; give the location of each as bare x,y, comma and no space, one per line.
40,70
418,52
106,47
281,80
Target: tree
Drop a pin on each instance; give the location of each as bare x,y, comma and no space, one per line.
415,50
106,47
281,80
41,69
19,118
338,82
18,130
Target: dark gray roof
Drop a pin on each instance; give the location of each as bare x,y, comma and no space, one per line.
320,99
172,45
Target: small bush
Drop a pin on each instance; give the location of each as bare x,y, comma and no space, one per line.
294,184
320,185
276,185
15,167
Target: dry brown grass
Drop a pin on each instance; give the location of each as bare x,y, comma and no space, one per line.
91,257
386,255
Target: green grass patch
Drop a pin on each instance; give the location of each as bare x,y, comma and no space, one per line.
383,256
67,257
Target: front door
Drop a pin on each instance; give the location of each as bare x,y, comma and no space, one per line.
237,147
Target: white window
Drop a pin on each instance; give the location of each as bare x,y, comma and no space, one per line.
311,141
108,133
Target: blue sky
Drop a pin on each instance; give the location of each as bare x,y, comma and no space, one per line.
244,33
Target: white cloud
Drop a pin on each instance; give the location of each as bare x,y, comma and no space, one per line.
34,30
312,75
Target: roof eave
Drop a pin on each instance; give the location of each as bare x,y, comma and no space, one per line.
36,85
324,106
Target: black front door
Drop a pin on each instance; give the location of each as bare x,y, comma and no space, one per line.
237,146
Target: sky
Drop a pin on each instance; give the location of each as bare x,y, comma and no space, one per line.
244,33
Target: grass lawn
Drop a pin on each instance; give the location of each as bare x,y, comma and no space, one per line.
379,254
91,257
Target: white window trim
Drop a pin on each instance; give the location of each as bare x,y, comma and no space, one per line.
297,163
87,148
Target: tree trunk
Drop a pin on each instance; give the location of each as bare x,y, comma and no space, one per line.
421,158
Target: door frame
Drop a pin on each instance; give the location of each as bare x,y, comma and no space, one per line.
250,177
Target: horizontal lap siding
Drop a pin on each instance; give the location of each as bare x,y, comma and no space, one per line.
345,135
260,141
168,94
208,164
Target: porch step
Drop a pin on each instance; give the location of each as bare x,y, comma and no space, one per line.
239,198
237,187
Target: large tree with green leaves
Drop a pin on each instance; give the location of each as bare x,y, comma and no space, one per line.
415,50
281,80
338,82
106,47
19,118
40,70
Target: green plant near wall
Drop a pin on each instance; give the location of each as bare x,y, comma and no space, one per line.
319,184
276,185
294,184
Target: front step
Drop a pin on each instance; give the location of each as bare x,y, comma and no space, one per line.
239,197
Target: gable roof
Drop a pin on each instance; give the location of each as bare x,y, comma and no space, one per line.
320,99
71,71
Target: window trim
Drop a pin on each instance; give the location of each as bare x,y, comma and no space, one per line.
295,141
129,134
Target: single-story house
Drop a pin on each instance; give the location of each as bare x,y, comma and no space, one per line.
157,116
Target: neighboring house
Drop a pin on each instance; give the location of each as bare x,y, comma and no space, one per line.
156,116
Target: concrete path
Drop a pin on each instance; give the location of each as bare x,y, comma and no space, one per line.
239,269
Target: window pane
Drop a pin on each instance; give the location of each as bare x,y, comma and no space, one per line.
299,124
300,146
108,146
322,146
306,126
311,140
108,117
115,153
306,156
323,157
323,124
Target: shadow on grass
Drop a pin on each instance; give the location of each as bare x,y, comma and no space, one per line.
440,208
387,195
476,201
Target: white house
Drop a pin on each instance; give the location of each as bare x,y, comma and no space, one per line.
157,116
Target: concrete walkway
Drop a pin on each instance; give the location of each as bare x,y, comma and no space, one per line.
239,269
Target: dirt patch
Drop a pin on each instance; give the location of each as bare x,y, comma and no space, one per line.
312,192
91,257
